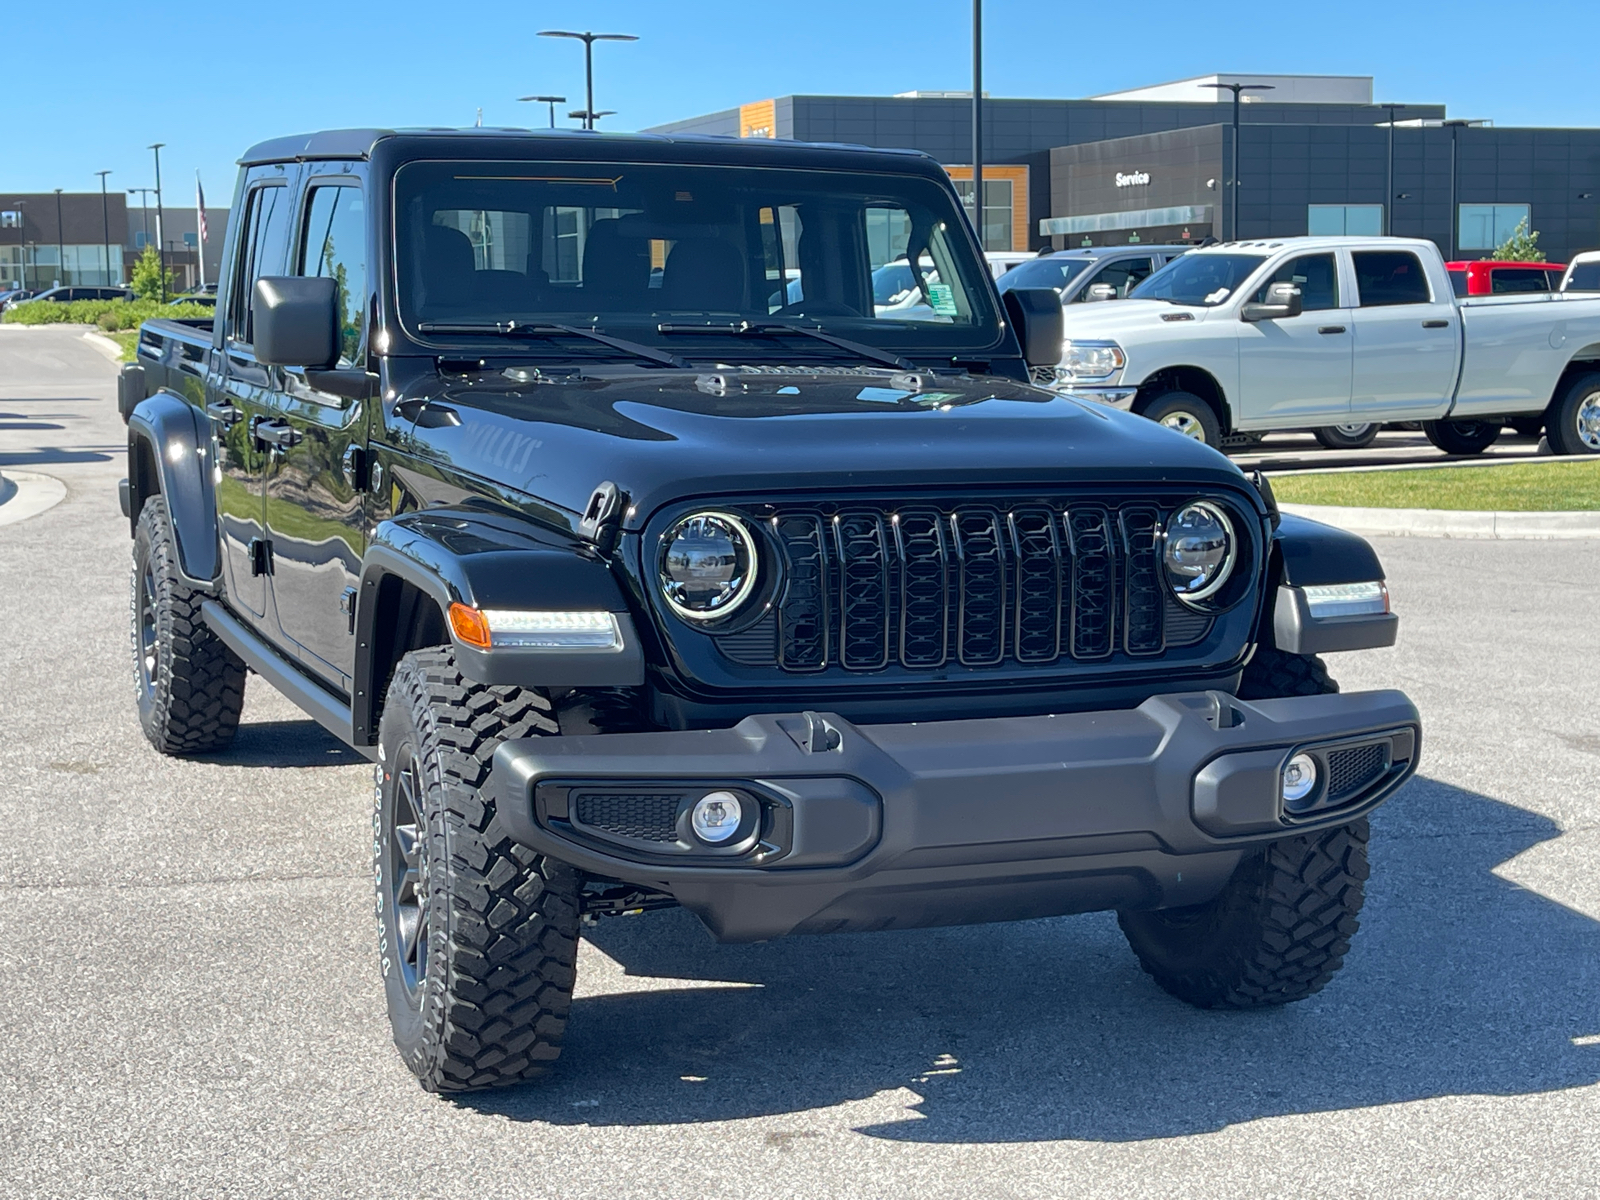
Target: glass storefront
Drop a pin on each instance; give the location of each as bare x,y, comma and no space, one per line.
997,210
34,266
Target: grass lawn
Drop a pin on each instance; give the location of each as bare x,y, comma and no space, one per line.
1526,487
128,339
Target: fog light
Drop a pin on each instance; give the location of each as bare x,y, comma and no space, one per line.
1299,781
716,816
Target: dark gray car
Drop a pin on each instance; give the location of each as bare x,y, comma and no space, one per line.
1074,274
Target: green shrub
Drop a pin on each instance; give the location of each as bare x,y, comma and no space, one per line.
145,279
108,314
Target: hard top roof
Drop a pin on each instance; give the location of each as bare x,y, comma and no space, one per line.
571,144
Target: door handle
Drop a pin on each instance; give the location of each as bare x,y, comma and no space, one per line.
1436,324
225,414
1330,328
280,434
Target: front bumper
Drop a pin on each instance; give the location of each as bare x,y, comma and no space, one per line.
955,822
1113,395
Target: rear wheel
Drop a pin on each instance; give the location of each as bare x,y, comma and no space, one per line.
1282,926
1347,437
1462,437
188,683
1185,413
1574,425
477,934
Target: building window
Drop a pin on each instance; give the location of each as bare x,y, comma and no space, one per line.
11,220
1340,220
1485,226
997,210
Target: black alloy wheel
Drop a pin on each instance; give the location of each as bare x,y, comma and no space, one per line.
146,632
407,877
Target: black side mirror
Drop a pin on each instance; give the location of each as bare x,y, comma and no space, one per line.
1035,313
1283,300
295,322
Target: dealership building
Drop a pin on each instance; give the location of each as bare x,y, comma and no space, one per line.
1315,155
72,238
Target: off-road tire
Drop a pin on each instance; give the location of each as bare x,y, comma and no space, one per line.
1462,437
501,922
1282,926
1347,437
1567,426
188,684
1185,413
1276,934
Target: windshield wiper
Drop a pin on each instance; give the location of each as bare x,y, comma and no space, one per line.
541,329
777,329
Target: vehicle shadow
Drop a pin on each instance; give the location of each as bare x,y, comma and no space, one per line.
51,456
283,744
1459,983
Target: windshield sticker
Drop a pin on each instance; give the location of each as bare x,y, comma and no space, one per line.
943,298
1218,296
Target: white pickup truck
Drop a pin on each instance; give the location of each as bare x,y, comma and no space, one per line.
1338,334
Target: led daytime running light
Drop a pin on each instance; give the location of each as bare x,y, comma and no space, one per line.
519,630
1348,599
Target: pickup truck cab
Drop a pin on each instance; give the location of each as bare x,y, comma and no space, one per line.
1582,273
1298,333
512,460
1492,277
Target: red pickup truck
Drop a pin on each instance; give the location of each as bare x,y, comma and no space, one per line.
1490,277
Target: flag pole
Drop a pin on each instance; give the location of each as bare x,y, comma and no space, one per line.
200,228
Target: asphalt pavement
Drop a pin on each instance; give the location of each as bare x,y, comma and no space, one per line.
192,1004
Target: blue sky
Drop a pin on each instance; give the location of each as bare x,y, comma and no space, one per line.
224,76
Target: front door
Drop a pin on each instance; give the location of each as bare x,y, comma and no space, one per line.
318,437
1406,340
241,395
1295,372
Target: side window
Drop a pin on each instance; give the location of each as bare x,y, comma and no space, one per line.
1585,278
1389,277
1316,276
260,252
333,245
1514,280
1458,282
1122,275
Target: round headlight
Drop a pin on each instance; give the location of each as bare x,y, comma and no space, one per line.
708,566
1200,550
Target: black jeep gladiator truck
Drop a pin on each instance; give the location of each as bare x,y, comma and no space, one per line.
577,481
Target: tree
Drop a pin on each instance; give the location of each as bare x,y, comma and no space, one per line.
146,277
1521,246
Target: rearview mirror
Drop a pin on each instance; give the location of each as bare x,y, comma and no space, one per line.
295,322
1283,300
1101,291
1035,313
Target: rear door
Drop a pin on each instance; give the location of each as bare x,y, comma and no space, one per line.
1295,372
317,436
1407,339
242,398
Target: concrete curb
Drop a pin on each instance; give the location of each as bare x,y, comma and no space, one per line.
1444,523
7,489
105,345
33,495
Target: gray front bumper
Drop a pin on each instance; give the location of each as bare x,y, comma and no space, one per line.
959,822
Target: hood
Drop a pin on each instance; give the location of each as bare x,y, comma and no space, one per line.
663,436
1109,318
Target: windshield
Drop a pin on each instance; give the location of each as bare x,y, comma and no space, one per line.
1201,279
1044,272
645,252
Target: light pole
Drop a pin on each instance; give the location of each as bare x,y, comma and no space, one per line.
1236,88
105,221
977,121
61,248
552,101
1455,219
589,118
588,40
1388,194
22,236
161,243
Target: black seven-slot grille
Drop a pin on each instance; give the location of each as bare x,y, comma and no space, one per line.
929,585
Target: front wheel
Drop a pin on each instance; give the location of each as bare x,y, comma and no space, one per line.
1574,425
1347,437
1185,413
1462,437
477,934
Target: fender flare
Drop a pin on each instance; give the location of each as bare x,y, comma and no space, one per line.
169,445
484,560
1307,553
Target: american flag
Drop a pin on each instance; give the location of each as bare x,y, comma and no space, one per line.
200,204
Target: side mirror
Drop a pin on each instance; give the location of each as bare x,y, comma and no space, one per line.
1283,300
1101,291
1035,313
295,322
